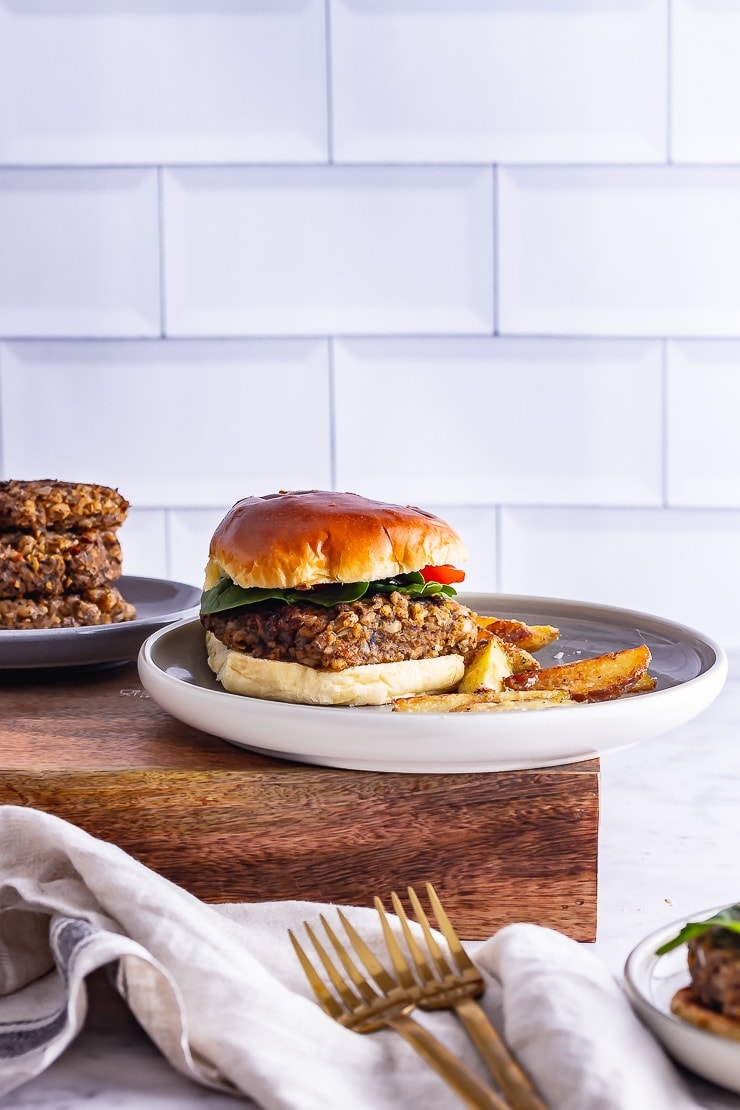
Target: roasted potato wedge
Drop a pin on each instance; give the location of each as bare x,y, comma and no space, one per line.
481,700
515,699
644,683
596,679
488,667
529,637
491,662
432,703
520,659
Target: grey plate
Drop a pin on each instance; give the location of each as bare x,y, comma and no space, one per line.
679,653
158,602
690,670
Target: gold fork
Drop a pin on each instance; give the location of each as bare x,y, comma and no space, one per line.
363,1009
455,983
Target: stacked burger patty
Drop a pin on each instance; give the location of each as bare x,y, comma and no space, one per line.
60,555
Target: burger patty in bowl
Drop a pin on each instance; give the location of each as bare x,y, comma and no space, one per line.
714,963
383,628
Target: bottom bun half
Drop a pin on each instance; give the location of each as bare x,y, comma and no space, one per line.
372,684
687,1006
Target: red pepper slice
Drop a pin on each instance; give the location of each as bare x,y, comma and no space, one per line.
444,574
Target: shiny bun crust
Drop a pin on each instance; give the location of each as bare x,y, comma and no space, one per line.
311,537
370,684
686,1005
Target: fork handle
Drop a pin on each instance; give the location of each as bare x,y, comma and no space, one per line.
512,1080
464,1082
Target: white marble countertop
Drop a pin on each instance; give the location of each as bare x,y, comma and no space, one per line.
668,848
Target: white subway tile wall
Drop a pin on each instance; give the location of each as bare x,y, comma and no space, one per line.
706,81
619,250
479,255
703,406
328,250
171,423
627,557
79,252
499,81
530,421
120,82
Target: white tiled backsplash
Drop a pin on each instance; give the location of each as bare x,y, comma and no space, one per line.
478,255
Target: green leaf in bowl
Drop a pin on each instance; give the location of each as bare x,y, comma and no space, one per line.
726,919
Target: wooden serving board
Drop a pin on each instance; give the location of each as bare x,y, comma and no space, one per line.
229,825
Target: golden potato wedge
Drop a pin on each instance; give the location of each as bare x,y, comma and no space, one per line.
430,703
479,700
514,699
488,667
596,679
644,683
520,659
530,637
540,635
491,661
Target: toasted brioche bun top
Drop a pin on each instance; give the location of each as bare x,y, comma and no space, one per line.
307,538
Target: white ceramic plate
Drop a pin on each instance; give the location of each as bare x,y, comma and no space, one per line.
690,670
158,602
651,981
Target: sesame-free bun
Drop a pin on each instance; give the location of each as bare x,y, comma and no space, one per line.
370,684
686,1005
308,538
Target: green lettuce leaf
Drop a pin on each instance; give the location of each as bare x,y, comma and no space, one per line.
727,919
227,595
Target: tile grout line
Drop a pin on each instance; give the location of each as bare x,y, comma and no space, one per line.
499,548
329,84
168,547
298,165
3,473
496,244
161,243
664,425
332,413
669,83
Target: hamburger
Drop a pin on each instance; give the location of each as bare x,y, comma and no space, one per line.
329,598
711,1000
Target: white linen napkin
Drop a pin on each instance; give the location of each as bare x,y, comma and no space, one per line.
220,992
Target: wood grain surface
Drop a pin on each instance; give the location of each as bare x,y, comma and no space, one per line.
92,747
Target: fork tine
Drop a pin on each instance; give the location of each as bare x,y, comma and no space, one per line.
400,966
374,1011
412,944
385,981
441,963
459,954
326,1000
358,979
343,989
503,1065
